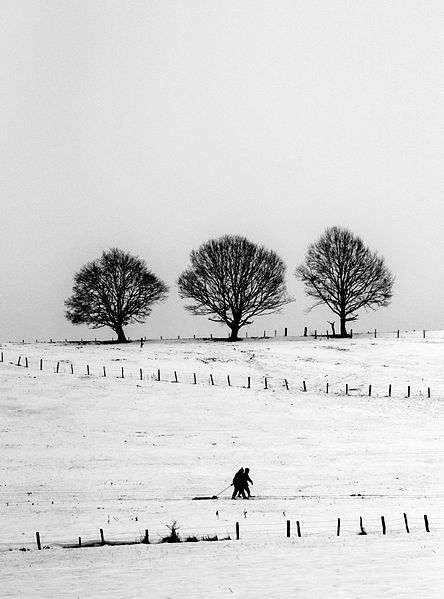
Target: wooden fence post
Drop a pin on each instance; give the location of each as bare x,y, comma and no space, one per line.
426,523
211,379
123,373
298,527
158,374
237,531
141,374
18,361
72,368
228,380
305,331
361,526
397,336
408,391
428,392
39,545
369,390
87,369
248,383
406,523
175,377
286,383
304,386
288,529
194,377
375,333
80,541
351,333
338,527
390,390
346,389
423,334
146,539
266,383
285,332
384,528
57,367
1,357
316,334
26,362
326,388
102,537
104,371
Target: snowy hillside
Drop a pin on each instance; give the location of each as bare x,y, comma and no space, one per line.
126,452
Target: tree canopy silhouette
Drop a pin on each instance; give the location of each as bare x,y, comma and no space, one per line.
113,291
341,272
233,280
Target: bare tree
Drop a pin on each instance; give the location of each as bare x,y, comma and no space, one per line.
113,291
233,280
341,272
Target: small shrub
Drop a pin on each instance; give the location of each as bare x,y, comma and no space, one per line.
210,538
173,537
192,539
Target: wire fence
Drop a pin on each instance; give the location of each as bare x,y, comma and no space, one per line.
282,333
212,379
266,531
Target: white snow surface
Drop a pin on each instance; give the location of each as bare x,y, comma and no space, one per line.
127,454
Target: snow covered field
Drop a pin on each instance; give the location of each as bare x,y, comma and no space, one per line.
87,452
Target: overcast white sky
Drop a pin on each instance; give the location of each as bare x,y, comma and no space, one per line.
155,125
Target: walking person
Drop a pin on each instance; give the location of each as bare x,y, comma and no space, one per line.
238,482
245,480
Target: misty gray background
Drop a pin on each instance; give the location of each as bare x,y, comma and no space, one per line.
155,125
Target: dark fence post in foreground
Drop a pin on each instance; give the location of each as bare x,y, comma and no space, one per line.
338,527
146,540
384,528
298,527
102,537
288,529
426,523
237,531
37,536
406,523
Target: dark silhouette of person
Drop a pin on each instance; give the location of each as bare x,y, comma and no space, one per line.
245,480
238,484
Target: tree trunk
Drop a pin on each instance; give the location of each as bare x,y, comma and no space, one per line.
120,334
343,327
234,332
